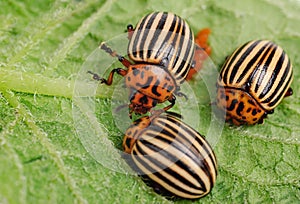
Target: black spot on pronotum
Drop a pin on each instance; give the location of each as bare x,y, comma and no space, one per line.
232,105
146,84
143,100
251,102
167,78
127,142
232,92
170,88
223,96
254,112
154,88
248,110
135,71
142,74
240,108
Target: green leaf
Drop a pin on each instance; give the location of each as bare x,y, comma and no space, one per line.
44,158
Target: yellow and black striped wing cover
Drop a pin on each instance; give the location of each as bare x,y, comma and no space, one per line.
164,39
175,158
262,69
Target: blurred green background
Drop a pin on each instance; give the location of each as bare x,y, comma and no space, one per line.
43,45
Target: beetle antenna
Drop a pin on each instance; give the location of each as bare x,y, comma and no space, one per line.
112,53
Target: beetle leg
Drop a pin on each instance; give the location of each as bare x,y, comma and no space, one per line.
155,113
130,30
112,53
172,100
130,113
289,92
109,80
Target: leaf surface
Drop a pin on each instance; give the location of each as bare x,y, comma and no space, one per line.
43,47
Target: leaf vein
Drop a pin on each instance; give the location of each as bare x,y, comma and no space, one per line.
42,136
5,144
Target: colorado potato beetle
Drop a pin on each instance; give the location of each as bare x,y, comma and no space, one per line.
163,52
173,158
253,81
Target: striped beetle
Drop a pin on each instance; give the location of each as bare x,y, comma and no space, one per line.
164,54
253,81
172,157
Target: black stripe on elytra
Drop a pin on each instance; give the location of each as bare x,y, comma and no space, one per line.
174,50
158,31
173,158
280,84
161,178
176,126
242,58
177,35
260,63
186,58
199,156
145,34
283,79
167,37
232,105
274,76
228,63
137,38
266,67
251,63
